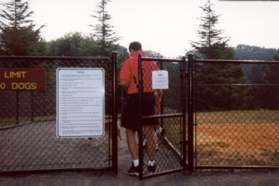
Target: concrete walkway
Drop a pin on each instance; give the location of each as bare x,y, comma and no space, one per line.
85,178
90,179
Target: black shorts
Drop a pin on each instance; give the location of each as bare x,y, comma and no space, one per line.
130,110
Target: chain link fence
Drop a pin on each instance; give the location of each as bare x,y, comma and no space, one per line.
236,114
28,139
236,122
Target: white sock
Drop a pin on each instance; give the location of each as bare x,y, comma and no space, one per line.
136,163
151,162
158,130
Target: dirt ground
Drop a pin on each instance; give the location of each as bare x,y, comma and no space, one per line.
241,144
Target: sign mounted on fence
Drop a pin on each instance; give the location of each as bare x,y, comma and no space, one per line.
80,102
22,79
160,79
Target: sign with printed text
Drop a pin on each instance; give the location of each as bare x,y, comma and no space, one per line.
19,79
160,79
80,102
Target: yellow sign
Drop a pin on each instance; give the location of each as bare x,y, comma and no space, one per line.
22,79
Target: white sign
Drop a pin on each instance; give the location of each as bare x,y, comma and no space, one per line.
160,79
80,102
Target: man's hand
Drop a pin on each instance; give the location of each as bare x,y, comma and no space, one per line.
124,83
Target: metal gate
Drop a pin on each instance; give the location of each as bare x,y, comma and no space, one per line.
28,139
174,144
210,123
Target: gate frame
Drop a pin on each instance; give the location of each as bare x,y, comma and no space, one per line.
186,75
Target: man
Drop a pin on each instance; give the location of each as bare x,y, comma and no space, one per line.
129,79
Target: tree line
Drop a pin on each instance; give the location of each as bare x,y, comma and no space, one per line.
19,35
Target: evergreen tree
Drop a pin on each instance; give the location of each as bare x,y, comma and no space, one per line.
18,35
105,36
214,80
211,45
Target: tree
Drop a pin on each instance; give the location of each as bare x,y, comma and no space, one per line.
153,54
268,96
18,35
122,54
254,52
265,95
105,36
276,55
76,44
214,80
73,44
211,45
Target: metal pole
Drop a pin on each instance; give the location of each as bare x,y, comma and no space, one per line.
114,114
183,95
17,107
139,119
162,99
190,113
32,101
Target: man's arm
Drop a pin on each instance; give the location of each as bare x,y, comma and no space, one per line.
124,75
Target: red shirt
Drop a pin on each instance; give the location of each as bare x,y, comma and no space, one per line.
129,73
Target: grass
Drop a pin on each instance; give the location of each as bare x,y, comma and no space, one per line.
243,117
247,137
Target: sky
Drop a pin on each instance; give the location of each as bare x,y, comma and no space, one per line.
164,26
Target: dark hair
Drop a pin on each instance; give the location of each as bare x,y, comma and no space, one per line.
135,45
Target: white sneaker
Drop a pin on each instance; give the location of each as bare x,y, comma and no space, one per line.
144,142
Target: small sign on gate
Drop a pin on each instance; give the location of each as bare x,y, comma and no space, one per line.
160,79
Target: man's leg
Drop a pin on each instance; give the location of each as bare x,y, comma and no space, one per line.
151,141
132,144
133,149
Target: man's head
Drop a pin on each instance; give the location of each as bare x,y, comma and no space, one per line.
135,46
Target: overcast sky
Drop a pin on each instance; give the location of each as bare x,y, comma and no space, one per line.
165,26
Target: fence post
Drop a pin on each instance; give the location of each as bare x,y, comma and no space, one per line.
161,111
139,119
190,113
114,114
31,107
17,107
184,110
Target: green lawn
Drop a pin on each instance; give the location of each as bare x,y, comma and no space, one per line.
245,116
